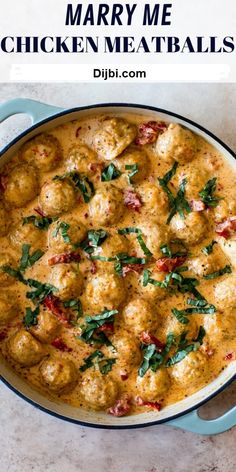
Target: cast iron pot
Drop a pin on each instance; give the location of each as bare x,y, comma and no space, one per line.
183,414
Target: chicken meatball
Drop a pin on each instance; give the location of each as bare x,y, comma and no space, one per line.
113,137
220,326
98,391
56,197
107,206
203,265
76,233
172,325
6,260
131,157
177,143
59,375
29,234
155,236
192,372
24,349
191,229
44,152
128,352
139,316
68,280
154,201
113,245
8,307
153,385
47,327
196,178
21,186
105,290
5,220
224,292
225,209
81,159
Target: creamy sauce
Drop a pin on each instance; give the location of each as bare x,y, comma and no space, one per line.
219,342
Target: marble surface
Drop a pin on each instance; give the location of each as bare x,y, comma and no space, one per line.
30,440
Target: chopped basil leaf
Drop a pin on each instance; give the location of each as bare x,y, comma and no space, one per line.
42,290
180,315
88,362
153,359
110,173
148,353
168,176
143,246
118,268
82,183
28,260
129,230
226,270
31,317
200,336
105,365
206,193
63,228
166,251
134,170
95,322
42,223
94,239
208,249
14,273
140,240
122,257
76,307
178,203
184,350
193,302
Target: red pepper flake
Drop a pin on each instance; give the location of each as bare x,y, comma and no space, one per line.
93,268
148,338
148,132
96,167
40,212
78,131
137,268
121,407
64,258
86,215
227,227
153,405
123,375
197,205
52,303
3,334
58,343
168,264
229,357
132,200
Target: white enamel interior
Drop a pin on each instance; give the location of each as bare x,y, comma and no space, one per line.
100,418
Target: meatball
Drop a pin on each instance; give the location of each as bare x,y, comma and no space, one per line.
105,290
44,152
79,159
192,372
113,137
172,325
152,292
113,245
133,156
139,316
21,186
224,292
228,247
68,280
196,178
154,236
8,307
107,206
6,260
47,327
98,391
154,200
5,220
29,234
128,352
153,385
225,208
204,265
220,326
191,229
177,143
59,375
76,233
57,197
24,349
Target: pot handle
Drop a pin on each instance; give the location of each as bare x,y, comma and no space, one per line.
36,110
192,422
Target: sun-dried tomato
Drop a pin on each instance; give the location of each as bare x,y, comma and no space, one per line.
148,338
168,264
64,258
132,200
121,407
58,343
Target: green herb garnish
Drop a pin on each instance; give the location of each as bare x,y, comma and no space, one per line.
206,193
28,260
226,270
183,352
42,223
110,173
153,359
134,170
63,228
208,249
105,365
89,361
42,290
94,322
76,307
16,273
31,317
178,203
140,240
82,183
97,357
94,239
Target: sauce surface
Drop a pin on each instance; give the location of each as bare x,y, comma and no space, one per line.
118,255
